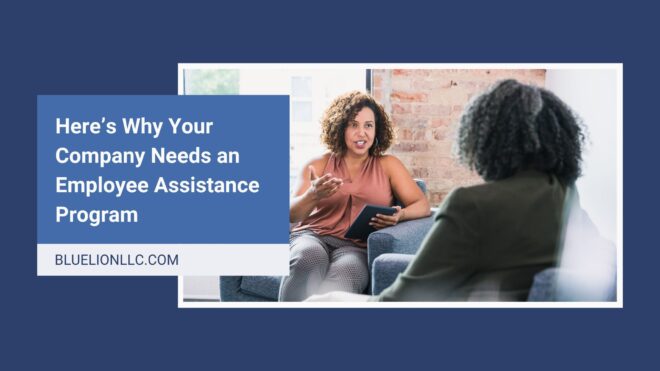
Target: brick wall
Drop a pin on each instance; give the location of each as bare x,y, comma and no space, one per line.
425,106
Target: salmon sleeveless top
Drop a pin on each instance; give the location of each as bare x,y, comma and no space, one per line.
334,215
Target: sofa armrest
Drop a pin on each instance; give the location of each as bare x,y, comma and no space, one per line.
386,269
403,238
229,288
249,288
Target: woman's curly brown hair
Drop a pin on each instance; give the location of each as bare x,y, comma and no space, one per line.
344,109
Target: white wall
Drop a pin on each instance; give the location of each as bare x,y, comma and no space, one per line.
324,86
592,95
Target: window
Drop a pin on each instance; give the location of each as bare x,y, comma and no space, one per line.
310,91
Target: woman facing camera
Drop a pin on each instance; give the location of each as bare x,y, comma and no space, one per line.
333,189
489,240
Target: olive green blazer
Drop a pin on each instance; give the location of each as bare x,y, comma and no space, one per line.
487,243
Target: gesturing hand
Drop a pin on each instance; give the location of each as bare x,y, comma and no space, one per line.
324,186
381,221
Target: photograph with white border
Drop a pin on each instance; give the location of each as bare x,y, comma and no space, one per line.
425,105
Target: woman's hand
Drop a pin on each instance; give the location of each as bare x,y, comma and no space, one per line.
381,221
324,186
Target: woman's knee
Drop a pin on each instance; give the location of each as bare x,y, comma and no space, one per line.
308,265
350,272
309,255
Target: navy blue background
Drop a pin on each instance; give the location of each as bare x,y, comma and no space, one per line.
170,217
119,323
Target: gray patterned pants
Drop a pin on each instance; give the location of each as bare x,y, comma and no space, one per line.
320,264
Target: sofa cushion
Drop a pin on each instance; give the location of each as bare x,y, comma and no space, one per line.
267,287
386,268
544,287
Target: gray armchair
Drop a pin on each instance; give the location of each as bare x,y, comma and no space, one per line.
551,284
404,238
576,279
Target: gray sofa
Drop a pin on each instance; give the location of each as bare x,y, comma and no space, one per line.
390,250
403,237
549,285
587,264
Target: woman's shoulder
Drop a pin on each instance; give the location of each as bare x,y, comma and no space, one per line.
391,164
390,160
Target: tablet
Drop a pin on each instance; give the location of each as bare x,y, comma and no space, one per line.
360,229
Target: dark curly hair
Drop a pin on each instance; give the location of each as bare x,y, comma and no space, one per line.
514,127
344,109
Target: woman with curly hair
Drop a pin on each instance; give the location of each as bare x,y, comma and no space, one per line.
332,191
489,240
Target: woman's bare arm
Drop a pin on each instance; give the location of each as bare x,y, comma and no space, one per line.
405,190
311,189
